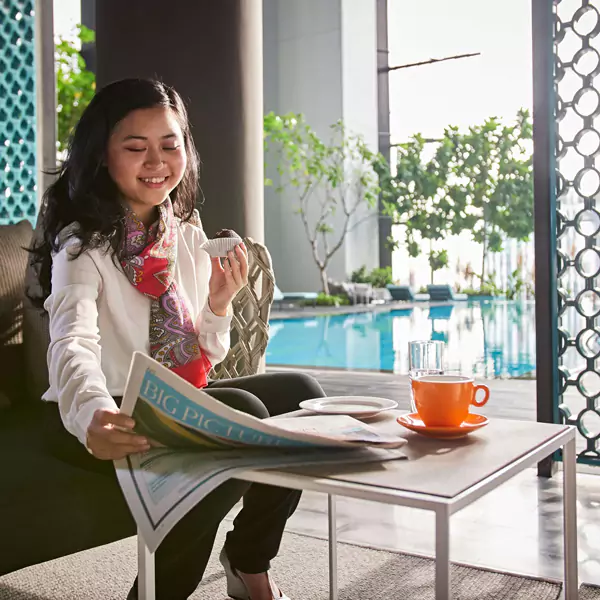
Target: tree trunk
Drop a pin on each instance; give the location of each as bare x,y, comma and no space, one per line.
483,260
430,265
485,237
324,282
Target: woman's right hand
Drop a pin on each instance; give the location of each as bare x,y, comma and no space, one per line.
110,436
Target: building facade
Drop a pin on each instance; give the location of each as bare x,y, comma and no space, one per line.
320,59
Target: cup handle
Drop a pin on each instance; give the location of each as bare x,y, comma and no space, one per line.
486,389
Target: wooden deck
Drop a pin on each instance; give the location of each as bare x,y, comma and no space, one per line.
509,398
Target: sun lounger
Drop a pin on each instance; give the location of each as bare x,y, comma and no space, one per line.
280,297
403,293
444,293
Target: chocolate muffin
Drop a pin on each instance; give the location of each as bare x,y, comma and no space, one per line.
224,241
226,233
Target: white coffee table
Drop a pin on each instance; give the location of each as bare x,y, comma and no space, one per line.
477,464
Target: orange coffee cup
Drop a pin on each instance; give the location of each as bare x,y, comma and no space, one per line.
444,400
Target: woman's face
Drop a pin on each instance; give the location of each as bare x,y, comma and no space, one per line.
146,159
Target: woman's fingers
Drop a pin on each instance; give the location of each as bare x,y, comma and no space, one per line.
113,417
114,436
228,268
237,262
234,266
216,264
110,436
108,450
242,254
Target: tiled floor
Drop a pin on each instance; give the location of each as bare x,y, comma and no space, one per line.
516,528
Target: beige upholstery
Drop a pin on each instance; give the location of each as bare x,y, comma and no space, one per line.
36,337
13,240
13,262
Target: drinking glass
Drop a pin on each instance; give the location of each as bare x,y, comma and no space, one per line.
426,357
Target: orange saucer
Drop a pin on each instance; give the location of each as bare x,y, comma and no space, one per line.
473,422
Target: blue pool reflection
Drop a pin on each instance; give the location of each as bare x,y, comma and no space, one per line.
486,339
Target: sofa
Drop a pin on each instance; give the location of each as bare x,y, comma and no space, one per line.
42,497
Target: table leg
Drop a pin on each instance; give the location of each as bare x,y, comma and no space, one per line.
146,589
571,584
333,575
442,553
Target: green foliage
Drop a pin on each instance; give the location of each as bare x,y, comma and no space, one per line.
75,85
437,261
360,275
488,288
517,284
327,300
419,196
329,178
378,277
381,277
480,181
495,171
485,290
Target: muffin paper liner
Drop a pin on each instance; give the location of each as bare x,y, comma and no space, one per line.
220,246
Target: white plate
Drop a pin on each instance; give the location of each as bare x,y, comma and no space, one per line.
359,406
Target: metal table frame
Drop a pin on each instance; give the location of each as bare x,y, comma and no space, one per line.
444,508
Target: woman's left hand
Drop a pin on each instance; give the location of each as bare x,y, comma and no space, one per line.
227,279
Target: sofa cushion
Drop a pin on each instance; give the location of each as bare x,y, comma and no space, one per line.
49,508
36,336
13,241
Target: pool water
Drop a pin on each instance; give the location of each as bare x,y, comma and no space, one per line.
486,339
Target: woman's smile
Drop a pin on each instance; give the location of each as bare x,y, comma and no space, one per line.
155,183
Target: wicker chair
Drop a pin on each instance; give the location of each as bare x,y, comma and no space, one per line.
250,323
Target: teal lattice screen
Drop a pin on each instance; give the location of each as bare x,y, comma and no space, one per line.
577,110
18,189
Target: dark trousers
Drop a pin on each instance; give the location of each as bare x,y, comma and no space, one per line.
258,528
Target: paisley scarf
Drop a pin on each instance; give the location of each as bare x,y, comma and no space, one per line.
148,259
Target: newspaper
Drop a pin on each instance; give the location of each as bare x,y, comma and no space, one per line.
197,443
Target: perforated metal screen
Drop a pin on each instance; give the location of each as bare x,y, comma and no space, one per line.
577,105
17,112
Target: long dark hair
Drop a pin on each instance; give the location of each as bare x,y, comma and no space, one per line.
84,192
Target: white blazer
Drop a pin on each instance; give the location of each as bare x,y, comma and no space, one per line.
98,319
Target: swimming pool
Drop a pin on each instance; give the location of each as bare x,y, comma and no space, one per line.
487,339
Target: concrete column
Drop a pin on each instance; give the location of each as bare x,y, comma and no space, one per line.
45,79
251,66
211,52
320,60
88,18
383,119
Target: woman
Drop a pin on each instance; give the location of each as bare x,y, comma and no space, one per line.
121,270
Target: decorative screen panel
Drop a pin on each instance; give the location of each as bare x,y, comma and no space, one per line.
577,79
18,190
